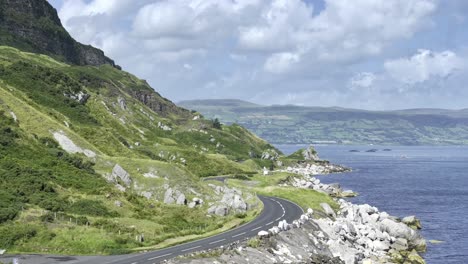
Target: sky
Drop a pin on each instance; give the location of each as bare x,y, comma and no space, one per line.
368,54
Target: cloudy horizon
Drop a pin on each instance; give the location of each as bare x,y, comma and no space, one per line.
367,54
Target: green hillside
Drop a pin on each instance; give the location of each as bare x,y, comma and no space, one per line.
64,127
288,124
94,161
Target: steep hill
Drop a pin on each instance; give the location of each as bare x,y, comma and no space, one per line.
91,157
34,26
289,124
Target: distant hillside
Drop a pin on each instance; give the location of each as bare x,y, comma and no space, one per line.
289,124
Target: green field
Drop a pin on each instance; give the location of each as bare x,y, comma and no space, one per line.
288,124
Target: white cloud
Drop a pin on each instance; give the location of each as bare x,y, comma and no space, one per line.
267,49
362,80
424,65
281,62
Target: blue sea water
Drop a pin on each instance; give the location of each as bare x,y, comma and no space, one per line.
429,182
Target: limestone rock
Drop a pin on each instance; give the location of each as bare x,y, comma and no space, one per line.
415,258
310,154
122,103
69,146
263,234
397,230
412,222
13,115
174,196
119,173
328,210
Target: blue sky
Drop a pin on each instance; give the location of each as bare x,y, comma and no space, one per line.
371,54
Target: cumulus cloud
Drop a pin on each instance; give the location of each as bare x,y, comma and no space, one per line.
266,49
362,80
424,65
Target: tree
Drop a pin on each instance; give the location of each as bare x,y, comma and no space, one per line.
216,123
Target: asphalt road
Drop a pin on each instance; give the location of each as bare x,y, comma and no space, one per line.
275,210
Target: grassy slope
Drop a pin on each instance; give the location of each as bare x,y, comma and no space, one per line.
294,124
32,87
65,205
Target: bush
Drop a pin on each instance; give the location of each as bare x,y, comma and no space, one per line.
217,124
90,207
11,233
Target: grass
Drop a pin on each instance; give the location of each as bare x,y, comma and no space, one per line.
58,203
268,185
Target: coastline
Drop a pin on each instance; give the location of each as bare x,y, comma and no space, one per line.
355,233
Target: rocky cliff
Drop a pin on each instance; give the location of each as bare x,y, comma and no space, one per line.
34,26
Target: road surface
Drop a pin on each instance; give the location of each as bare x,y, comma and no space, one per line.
275,210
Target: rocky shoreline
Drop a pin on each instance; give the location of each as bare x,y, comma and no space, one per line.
350,235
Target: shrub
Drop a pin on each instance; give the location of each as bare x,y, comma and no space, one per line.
11,233
90,207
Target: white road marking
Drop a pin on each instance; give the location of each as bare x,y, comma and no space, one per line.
257,228
134,262
239,234
162,256
214,242
190,248
269,224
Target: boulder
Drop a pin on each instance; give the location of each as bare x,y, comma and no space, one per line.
172,196
118,203
2,251
122,103
400,244
120,188
263,234
221,210
414,258
397,230
412,222
123,175
328,210
348,193
146,194
378,245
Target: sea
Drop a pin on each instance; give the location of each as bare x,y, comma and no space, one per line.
430,182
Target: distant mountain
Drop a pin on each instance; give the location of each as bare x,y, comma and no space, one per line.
303,125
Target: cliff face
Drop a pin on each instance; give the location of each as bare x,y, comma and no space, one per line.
34,26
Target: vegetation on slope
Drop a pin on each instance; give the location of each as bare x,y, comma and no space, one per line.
56,202
304,125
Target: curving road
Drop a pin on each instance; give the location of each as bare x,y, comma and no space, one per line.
275,210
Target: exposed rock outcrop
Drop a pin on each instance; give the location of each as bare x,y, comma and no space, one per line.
231,201
119,173
270,154
34,26
69,146
174,196
310,154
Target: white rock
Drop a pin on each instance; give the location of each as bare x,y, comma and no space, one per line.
69,146
123,175
328,210
262,234
13,115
